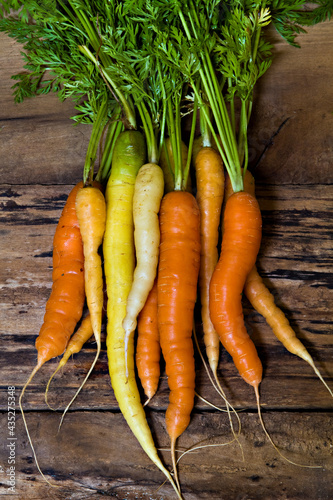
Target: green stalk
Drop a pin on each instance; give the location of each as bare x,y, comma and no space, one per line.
113,131
127,108
242,136
229,152
178,158
204,128
190,145
164,109
232,109
152,148
96,133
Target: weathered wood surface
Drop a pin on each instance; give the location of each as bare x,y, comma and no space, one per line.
95,455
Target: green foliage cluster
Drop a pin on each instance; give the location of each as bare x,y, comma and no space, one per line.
156,60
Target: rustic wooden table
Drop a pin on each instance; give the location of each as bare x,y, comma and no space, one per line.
95,455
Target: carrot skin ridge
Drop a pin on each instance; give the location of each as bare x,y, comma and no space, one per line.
240,246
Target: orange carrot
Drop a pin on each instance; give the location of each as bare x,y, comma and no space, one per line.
65,304
263,301
210,188
91,213
75,344
240,246
177,286
148,349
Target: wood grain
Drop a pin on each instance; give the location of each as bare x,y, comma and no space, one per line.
96,456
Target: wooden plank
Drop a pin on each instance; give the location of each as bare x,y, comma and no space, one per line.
95,456
39,143
290,133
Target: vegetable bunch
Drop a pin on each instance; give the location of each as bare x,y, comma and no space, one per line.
140,73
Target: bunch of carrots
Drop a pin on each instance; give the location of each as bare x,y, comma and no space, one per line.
146,227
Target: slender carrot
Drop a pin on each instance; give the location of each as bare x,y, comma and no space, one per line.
167,163
91,214
148,349
148,192
118,249
240,246
210,189
65,304
263,301
177,286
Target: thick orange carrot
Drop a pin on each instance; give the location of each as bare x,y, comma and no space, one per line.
210,190
176,288
148,349
65,304
240,246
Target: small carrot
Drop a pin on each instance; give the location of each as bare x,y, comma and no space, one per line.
65,304
240,246
148,192
263,302
148,349
177,286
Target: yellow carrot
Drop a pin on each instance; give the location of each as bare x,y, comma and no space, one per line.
148,192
